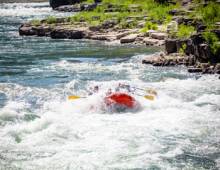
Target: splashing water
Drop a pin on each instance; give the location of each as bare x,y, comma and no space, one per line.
41,129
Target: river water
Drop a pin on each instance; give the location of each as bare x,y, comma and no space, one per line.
41,129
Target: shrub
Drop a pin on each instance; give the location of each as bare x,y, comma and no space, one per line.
213,41
185,31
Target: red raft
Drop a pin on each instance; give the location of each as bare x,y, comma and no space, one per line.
120,102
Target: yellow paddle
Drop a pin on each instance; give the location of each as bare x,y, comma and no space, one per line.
74,97
148,97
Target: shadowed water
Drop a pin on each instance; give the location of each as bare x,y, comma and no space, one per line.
41,129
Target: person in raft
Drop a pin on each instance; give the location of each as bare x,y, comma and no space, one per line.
122,87
93,90
119,88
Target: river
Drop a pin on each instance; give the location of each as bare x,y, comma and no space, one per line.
41,129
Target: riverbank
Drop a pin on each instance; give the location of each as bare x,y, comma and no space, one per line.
176,27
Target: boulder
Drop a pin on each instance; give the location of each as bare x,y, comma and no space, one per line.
170,46
129,38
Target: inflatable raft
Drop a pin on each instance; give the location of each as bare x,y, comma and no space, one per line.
120,102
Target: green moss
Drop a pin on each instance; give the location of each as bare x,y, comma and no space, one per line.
185,31
213,41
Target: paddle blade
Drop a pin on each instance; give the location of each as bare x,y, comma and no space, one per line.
148,97
73,97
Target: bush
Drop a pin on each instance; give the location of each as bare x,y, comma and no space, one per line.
185,31
213,41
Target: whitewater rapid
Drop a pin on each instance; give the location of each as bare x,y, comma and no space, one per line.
41,129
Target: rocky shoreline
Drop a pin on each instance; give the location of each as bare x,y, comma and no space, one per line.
106,32
194,52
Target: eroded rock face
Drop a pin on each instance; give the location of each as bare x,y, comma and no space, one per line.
170,46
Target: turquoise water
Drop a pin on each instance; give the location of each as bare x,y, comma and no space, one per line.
41,129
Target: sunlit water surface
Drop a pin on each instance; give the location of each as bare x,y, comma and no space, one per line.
41,129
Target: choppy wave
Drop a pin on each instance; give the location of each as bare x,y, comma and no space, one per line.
40,128
39,10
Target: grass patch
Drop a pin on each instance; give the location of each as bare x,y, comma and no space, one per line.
36,22
51,20
123,9
149,26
